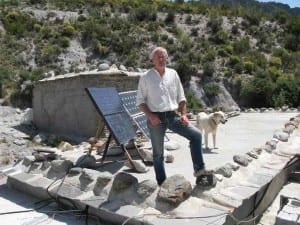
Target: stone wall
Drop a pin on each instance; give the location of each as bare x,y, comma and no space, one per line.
62,106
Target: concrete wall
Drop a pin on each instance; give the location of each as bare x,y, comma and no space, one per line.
62,106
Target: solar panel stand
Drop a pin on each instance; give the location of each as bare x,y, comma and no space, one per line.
99,132
124,150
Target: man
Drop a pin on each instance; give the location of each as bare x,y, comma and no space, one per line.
159,94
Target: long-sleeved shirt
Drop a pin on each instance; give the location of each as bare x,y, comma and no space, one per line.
160,93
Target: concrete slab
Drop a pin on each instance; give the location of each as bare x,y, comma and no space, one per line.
238,136
13,202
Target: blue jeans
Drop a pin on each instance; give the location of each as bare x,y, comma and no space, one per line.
170,120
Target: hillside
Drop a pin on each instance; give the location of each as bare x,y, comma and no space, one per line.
218,51
267,7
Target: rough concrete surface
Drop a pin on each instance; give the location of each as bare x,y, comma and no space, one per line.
240,135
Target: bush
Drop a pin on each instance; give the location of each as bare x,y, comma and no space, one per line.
234,60
287,91
170,18
241,46
276,62
185,69
5,74
257,92
49,53
215,24
64,42
239,67
209,56
274,73
193,103
249,67
212,89
68,30
208,69
102,50
221,37
18,23
228,73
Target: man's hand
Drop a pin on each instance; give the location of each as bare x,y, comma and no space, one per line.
184,120
154,120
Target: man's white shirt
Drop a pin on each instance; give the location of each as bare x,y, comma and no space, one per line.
160,93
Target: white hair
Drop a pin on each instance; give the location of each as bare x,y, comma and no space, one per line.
158,49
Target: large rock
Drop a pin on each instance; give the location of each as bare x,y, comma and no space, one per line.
175,190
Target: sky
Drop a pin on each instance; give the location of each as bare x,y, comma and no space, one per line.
291,3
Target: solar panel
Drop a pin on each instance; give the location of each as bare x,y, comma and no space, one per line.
109,105
139,118
129,102
141,122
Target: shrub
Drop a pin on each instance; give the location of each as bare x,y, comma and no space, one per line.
194,32
64,42
241,46
193,103
287,91
188,19
68,30
279,100
102,50
37,27
221,37
233,60
5,74
185,69
235,30
208,69
209,56
215,24
170,18
276,62
212,89
291,42
228,73
18,23
222,52
257,92
249,67
50,53
239,67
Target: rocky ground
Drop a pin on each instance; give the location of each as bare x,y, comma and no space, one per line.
15,136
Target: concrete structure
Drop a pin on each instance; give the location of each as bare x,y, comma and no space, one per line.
62,106
120,196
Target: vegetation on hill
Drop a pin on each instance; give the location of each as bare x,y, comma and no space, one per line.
256,55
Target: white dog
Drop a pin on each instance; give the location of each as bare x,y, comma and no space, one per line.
209,124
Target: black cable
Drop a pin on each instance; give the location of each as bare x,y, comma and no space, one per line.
86,211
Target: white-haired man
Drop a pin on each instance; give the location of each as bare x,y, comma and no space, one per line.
160,94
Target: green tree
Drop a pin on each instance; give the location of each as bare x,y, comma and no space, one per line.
287,91
257,92
185,69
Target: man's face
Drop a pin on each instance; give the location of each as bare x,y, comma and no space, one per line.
160,60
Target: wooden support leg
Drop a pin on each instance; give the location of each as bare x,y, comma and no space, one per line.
106,147
129,157
138,151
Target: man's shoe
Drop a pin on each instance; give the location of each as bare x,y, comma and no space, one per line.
203,172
